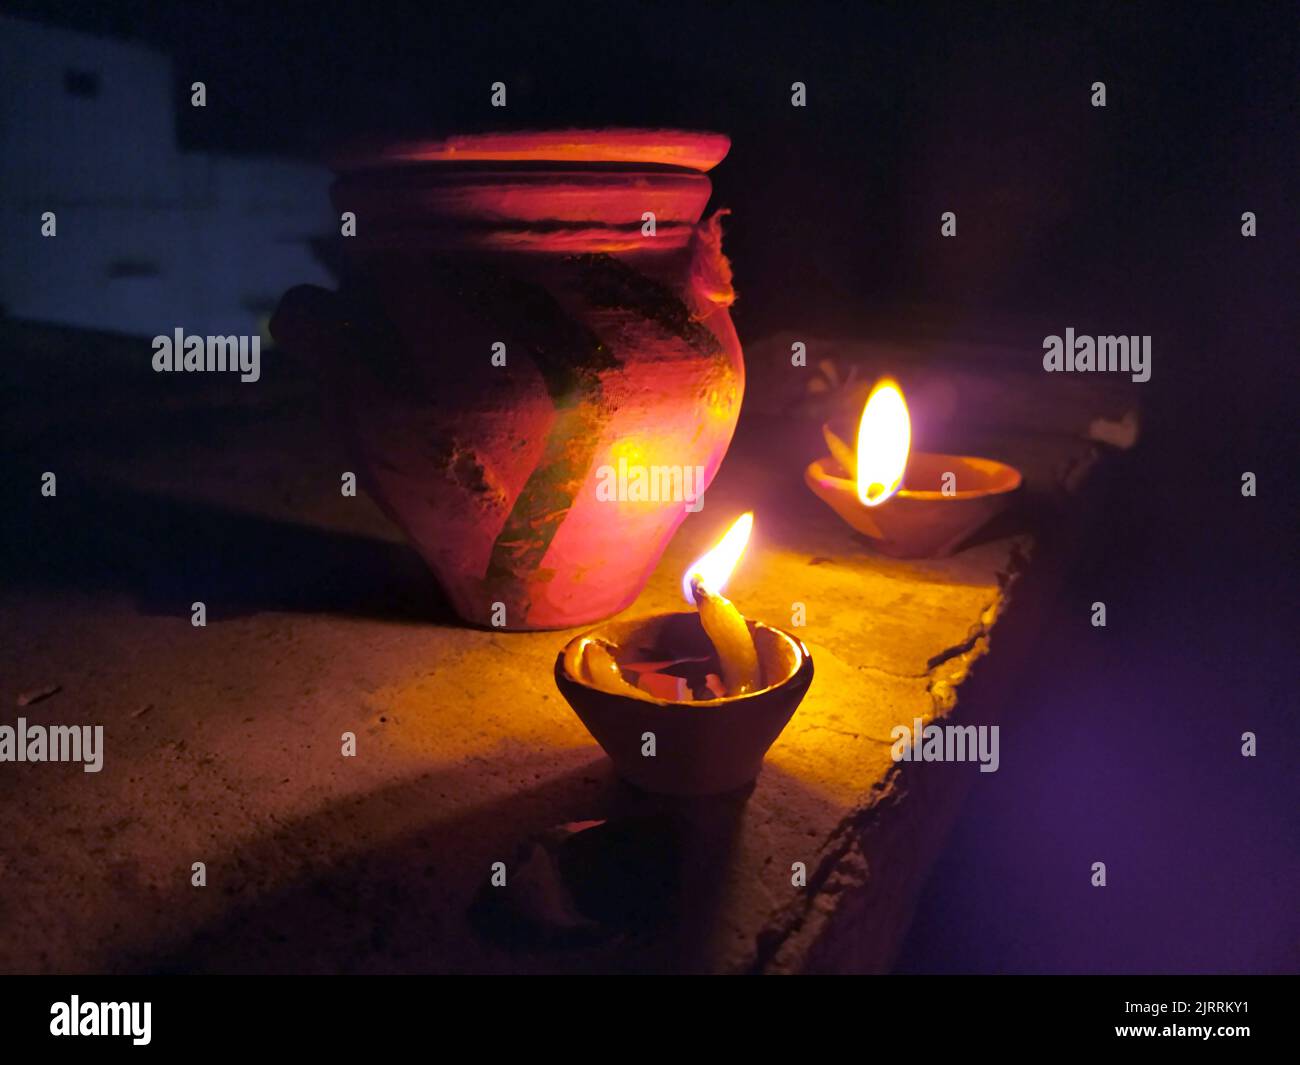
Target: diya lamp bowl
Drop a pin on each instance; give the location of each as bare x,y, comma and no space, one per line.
702,747
516,314
920,521
911,504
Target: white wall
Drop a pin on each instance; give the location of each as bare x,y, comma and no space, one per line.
148,238
59,146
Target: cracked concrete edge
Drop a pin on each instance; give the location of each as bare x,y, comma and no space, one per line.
842,880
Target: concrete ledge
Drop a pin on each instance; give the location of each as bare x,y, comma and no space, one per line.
223,743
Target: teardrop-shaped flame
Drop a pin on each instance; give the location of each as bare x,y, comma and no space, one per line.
884,439
714,567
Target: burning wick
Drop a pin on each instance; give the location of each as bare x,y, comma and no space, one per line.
723,623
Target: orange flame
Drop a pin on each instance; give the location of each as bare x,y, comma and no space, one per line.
714,567
884,440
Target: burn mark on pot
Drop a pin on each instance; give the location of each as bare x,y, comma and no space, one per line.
611,284
528,319
461,466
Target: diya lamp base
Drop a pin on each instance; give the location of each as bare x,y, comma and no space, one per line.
921,520
701,746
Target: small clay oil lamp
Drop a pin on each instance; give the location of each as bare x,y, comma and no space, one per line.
912,504
688,703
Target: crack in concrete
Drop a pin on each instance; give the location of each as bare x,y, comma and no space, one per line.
840,731
837,862
978,633
845,865
892,675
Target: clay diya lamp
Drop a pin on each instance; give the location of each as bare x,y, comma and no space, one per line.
911,504
688,703
517,315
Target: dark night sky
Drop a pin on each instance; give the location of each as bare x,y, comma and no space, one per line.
912,111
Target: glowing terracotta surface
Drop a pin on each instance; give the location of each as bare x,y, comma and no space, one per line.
663,147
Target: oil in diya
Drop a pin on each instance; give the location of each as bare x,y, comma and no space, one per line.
911,504
688,703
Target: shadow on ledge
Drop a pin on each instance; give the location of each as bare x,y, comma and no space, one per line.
167,553
380,883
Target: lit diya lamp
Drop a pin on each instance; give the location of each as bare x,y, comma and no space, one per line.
688,703
912,504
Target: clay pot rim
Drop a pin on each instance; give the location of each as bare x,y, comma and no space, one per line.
539,179
802,663
1004,478
690,150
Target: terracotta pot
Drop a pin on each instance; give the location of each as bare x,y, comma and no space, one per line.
919,521
618,345
703,747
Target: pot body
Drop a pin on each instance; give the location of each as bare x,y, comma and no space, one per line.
530,358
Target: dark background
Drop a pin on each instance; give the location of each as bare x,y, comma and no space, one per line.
1117,220
913,110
